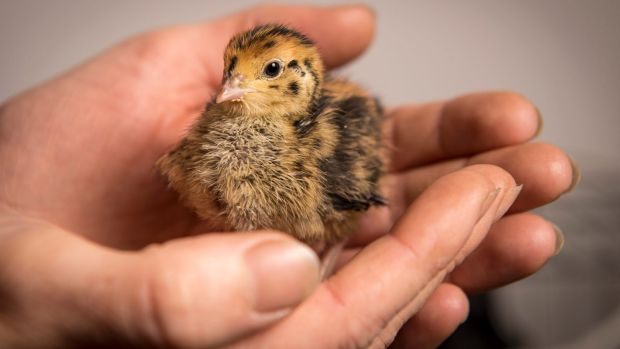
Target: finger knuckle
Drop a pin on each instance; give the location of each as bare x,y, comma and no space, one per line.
169,310
357,331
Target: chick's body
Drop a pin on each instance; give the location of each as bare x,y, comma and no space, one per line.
283,147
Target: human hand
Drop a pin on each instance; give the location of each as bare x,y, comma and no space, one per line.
78,155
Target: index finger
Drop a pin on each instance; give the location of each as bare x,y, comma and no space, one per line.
422,134
341,33
401,269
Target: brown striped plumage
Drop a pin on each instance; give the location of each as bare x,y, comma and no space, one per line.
297,152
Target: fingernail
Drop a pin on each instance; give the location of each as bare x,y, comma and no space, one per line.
486,204
559,239
507,200
285,273
576,174
540,123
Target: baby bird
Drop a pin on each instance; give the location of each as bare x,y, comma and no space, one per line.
282,146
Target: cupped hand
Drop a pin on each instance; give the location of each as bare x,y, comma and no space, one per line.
84,209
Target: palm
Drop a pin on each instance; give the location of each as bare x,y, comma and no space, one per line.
126,108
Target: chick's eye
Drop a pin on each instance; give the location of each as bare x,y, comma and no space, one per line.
272,69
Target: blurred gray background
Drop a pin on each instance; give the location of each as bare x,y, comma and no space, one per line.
563,54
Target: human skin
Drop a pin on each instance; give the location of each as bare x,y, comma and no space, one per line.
95,250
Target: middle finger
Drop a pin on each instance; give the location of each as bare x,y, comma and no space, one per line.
545,172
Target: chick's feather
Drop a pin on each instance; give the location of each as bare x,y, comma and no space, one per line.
299,153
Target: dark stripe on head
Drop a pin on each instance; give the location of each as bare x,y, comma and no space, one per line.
280,30
269,44
264,32
275,87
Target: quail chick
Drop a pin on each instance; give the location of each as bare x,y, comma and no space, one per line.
282,146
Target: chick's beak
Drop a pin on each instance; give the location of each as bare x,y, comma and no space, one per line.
232,90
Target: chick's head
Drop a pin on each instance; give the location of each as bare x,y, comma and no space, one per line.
270,69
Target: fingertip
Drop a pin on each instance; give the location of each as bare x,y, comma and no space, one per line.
445,310
495,118
504,182
524,242
549,171
357,29
517,246
460,196
575,175
356,14
540,243
457,305
495,174
530,246
545,171
521,116
541,123
451,305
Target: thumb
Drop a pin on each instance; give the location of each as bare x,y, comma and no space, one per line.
193,292
341,32
212,289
